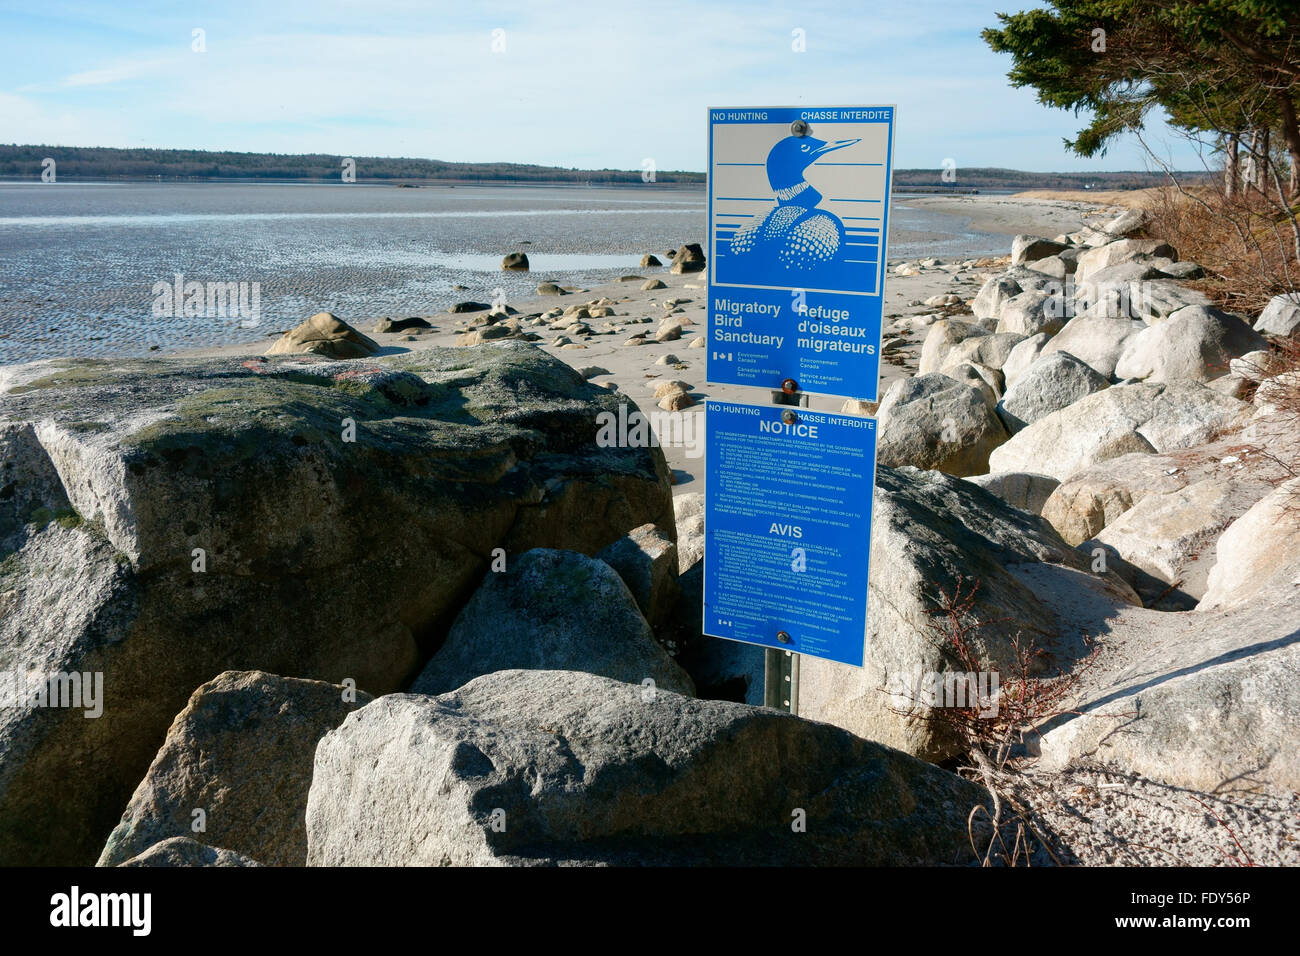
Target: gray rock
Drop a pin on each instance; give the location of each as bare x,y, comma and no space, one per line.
327,335
1199,700
322,558
1055,266
486,334
1150,301
690,529
401,325
1276,394
1020,489
1169,535
1025,248
986,381
1256,366
582,769
1130,220
1095,340
515,262
1027,314
943,335
1206,726
1116,421
1050,384
651,284
990,351
930,534
550,288
646,560
993,294
649,261
461,308
1022,355
1281,316
689,258
1090,500
1233,385
1137,269
1184,270
1121,250
182,851
552,610
1194,344
241,752
934,422
1258,550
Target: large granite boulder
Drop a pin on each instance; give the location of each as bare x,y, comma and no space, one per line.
1097,340
991,351
165,521
1150,301
1026,248
646,559
1020,489
552,610
993,296
1258,551
1030,313
1022,356
1121,250
1202,700
939,341
1194,344
1050,384
933,535
552,767
1116,421
241,755
933,421
1090,500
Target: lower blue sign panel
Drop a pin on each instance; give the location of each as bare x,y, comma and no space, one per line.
787,526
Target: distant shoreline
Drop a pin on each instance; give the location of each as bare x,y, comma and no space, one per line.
390,183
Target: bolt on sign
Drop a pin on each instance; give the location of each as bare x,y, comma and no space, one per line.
798,220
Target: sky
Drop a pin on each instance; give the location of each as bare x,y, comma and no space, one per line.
575,84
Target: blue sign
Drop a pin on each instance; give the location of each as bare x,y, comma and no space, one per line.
787,528
798,218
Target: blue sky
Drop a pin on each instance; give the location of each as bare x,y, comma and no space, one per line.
585,84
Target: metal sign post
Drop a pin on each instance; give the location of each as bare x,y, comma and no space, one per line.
781,667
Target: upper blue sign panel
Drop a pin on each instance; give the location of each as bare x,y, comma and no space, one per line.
798,218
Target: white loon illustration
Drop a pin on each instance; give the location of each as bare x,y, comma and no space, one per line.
795,235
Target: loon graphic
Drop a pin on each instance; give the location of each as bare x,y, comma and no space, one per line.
795,236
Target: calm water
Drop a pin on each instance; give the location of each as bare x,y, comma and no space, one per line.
78,262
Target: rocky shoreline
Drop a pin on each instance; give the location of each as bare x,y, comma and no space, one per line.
397,602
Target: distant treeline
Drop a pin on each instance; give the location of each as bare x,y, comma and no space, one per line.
99,162
963,180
